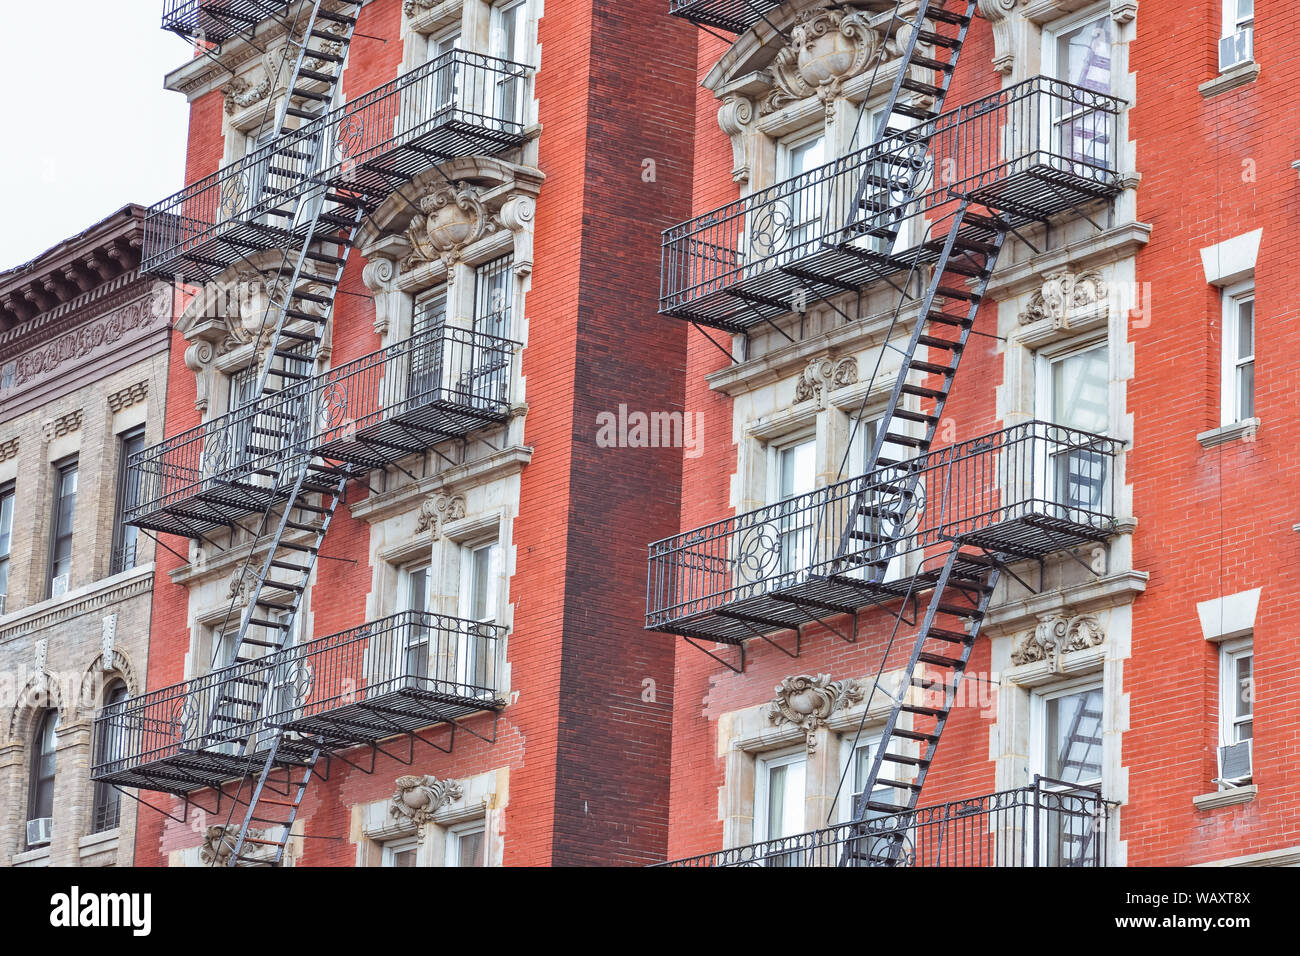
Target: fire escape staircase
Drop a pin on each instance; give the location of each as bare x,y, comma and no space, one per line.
315,488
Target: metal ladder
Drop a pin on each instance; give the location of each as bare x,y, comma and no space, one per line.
946,30
875,528
962,590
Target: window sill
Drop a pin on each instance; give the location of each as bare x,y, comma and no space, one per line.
1225,798
40,856
1226,433
1230,79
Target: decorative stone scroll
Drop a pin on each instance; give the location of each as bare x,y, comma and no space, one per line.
808,702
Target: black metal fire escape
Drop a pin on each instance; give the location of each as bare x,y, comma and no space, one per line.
961,249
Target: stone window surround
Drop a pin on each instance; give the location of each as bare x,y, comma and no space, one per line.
206,620
747,735
484,798
72,740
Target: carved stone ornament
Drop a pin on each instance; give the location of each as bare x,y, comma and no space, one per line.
822,375
736,116
242,582
437,510
219,843
412,7
451,217
1057,634
1064,294
417,799
243,92
826,47
808,701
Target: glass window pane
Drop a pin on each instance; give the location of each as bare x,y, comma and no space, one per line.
1084,55
1080,393
1246,391
469,848
1244,677
798,469
1074,737
1246,329
785,797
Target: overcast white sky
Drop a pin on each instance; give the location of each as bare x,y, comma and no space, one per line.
85,124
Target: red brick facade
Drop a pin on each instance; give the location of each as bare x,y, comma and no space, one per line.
587,754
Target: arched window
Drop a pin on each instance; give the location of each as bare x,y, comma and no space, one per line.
40,803
107,808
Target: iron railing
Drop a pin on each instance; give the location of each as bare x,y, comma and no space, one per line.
212,21
1048,824
414,656
736,16
227,462
438,383
1027,490
459,103
1029,150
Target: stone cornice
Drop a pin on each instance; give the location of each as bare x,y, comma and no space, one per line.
71,275
384,505
1026,275
96,597
786,360
1113,590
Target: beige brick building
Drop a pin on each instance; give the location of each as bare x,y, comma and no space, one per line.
83,375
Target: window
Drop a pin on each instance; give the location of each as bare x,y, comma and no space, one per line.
1074,391
65,503
779,801
404,852
796,475
106,811
480,574
1068,754
1238,354
426,351
413,597
873,850
6,538
126,538
509,38
1079,52
466,844
1236,711
492,297
883,520
40,800
1237,41
778,229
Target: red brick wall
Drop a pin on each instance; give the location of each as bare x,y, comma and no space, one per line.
589,757
1217,521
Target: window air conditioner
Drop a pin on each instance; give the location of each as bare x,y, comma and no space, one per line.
1237,49
1235,763
38,831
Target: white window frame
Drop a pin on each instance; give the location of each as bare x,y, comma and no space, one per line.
1045,479
1233,297
776,453
762,767
468,645
1038,743
869,741
393,847
1232,22
415,636
1051,64
1230,652
456,833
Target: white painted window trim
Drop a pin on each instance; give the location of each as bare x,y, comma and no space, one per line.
763,764
869,740
1229,653
1038,721
1232,298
